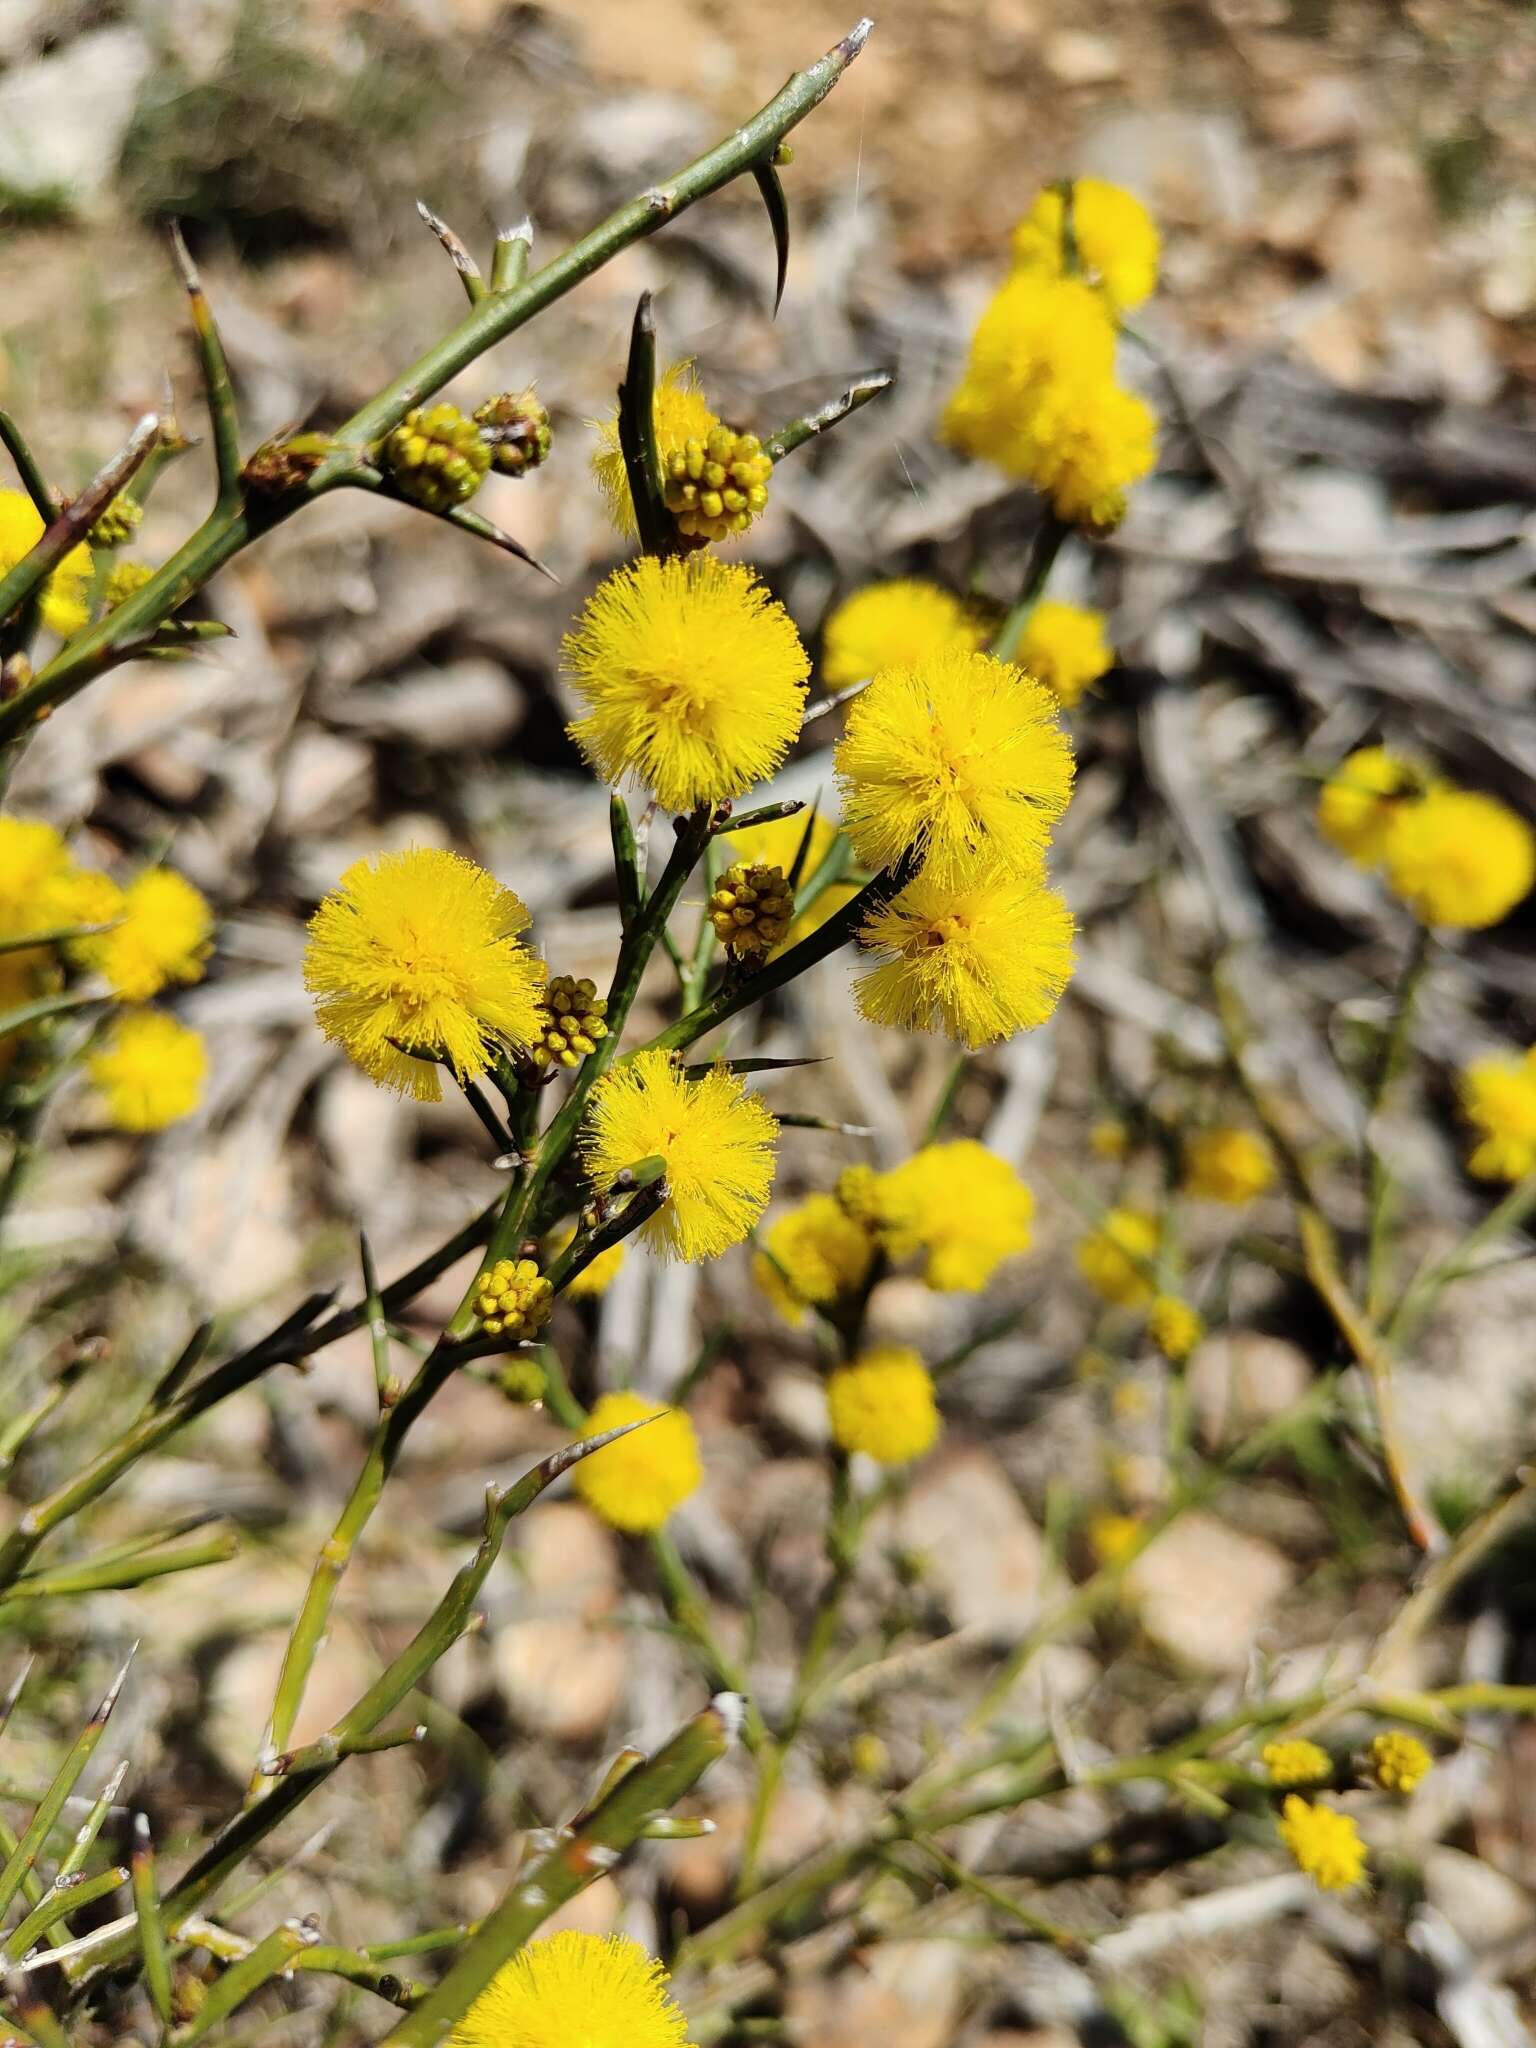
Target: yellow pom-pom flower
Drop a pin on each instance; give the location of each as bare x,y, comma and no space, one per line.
150,1071
693,676
513,1300
1292,1760
571,1990
594,1279
716,1139
635,1484
882,1404
1086,442
1065,647
1325,1843
163,933
893,625
960,1205
681,413
1174,1327
1033,333
33,861
812,1255
1399,1763
1360,800
65,602
1117,243
1460,859
1498,1099
954,757
1117,1258
978,960
1227,1165
414,958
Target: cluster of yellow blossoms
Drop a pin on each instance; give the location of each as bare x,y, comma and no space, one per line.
1326,1844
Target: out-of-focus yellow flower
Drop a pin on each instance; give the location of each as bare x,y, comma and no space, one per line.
1361,798
1065,647
870,1757
1174,1327
812,1255
1325,1843
1113,1538
694,678
164,933
571,1990
1498,1099
635,1484
1116,240
894,625
1399,1763
1086,443
1115,1259
1227,1165
1110,1139
64,606
150,1070
960,1205
414,958
1292,1760
592,1280
882,1404
1460,859
1033,333
957,757
978,959
716,1138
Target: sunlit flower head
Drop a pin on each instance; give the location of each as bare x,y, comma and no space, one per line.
65,603
33,860
1086,442
694,678
1498,1099
1117,244
149,1070
681,414
1228,1165
1460,859
812,1255
716,1138
163,934
1399,1762
979,960
1325,1843
963,1208
956,757
1360,800
1064,646
1292,1760
571,1990
893,625
635,1484
1174,1327
1117,1258
882,1404
414,959
1034,332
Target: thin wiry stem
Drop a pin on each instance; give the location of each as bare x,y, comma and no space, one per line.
217,387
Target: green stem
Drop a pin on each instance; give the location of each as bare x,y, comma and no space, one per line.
1421,1294
795,433
33,482
1050,536
68,528
217,386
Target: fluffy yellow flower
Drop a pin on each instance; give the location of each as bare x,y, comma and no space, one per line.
1292,1760
776,845
1117,240
957,756
572,1990
882,1404
1034,332
164,933
716,1138
150,1070
65,603
414,958
1064,646
893,625
33,860
1115,1258
1498,1099
694,678
1227,1165
681,414
1399,1763
592,1280
637,1482
1086,442
962,1206
1360,800
1174,1327
812,1254
1113,1538
1325,1843
980,960
1460,859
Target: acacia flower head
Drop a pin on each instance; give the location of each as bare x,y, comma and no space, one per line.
163,933
635,1484
954,757
415,959
1292,1760
1064,646
963,1207
1362,797
571,1990
1460,859
1116,240
978,960
694,679
1399,1762
1498,1099
1034,332
1116,1258
1325,1843
1114,1538
1174,1327
149,1070
716,1139
812,1255
33,861
893,625
65,602
1084,444
1227,1165
882,1404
